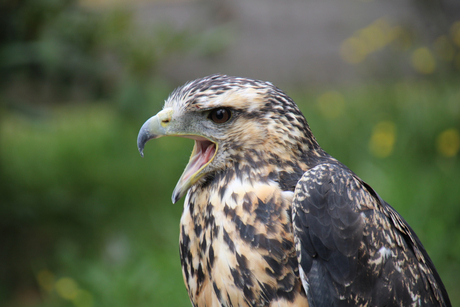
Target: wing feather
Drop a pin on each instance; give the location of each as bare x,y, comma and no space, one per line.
354,249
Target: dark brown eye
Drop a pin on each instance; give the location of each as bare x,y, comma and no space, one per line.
220,116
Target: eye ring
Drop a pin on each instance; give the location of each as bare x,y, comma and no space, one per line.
220,115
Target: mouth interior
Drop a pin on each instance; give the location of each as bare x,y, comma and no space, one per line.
202,154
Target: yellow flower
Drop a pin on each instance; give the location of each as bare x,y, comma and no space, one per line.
423,61
448,142
383,139
67,288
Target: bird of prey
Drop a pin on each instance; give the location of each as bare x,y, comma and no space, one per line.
271,219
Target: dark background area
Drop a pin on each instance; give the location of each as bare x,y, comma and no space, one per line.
85,221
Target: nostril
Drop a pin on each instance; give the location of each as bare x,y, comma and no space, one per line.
164,117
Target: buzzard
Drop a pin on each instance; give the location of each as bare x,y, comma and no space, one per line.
271,219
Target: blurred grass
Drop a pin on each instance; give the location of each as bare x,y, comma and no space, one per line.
87,222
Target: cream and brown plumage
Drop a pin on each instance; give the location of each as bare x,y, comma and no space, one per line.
270,219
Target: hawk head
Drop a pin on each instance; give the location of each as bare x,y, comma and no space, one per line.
232,120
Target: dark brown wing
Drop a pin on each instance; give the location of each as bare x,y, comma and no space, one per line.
354,249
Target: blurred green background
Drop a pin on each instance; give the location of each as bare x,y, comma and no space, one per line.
84,221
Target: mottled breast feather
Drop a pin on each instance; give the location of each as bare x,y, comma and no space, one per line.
356,250
237,245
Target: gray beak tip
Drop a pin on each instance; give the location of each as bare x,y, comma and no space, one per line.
151,129
140,144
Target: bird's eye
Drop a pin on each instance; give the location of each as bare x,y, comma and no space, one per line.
220,115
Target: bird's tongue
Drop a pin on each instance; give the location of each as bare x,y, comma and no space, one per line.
202,154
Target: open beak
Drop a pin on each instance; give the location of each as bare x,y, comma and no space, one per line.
203,152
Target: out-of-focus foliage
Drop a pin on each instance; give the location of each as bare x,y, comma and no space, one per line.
389,47
54,51
83,221
86,222
78,202
93,223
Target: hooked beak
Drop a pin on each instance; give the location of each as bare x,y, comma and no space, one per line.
153,128
203,152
